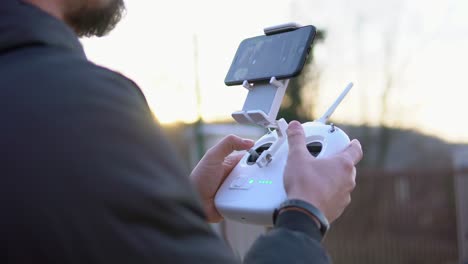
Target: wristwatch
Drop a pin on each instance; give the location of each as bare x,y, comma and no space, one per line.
300,204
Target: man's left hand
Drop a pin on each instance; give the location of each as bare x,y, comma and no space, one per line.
214,167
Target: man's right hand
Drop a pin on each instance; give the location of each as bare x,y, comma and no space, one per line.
326,183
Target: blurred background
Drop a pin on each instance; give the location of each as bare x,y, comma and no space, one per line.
408,61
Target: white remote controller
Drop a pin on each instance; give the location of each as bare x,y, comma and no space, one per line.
255,188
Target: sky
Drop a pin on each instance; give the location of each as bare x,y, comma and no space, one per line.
420,46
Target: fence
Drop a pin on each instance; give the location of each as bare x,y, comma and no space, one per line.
400,217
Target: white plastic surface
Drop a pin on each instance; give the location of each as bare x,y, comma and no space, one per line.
337,102
261,188
262,103
281,28
251,193
267,156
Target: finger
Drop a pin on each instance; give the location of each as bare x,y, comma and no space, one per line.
353,151
296,138
231,161
226,146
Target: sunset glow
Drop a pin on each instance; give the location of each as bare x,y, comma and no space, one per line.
422,50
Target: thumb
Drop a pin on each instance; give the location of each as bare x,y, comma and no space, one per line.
296,138
353,152
226,146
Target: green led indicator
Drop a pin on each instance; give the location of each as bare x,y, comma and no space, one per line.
251,181
262,181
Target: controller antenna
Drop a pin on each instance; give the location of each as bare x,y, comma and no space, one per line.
332,108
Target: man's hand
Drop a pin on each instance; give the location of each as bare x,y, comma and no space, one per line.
214,167
326,183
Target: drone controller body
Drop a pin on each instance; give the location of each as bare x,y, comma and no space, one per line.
251,192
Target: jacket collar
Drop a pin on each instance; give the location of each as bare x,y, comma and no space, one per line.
22,24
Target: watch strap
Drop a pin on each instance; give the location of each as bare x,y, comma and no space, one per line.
311,209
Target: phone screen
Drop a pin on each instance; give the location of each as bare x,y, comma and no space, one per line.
280,55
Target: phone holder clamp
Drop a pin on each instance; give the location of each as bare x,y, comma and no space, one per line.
262,104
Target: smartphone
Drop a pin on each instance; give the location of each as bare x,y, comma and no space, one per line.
281,55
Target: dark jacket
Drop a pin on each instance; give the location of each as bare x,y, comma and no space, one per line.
86,174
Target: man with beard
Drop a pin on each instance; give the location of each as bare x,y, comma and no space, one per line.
87,176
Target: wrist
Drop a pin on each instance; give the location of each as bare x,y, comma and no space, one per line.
306,209
311,216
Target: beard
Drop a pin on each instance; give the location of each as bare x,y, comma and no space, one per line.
96,21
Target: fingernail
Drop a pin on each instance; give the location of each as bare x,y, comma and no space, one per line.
355,141
247,141
294,124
